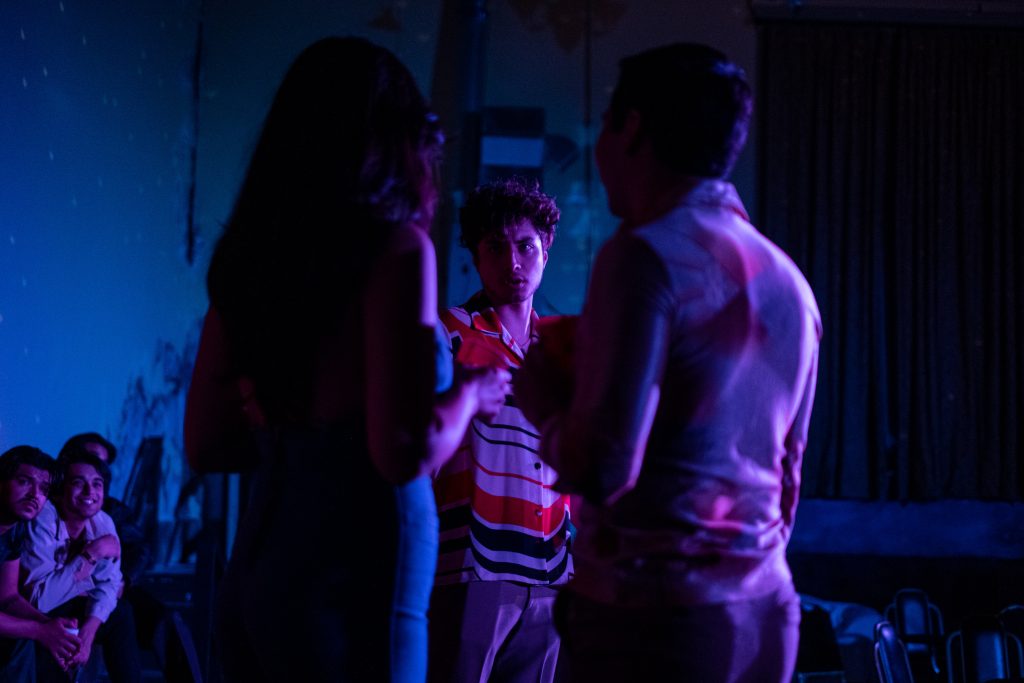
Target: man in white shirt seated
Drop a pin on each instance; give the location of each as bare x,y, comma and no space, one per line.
73,568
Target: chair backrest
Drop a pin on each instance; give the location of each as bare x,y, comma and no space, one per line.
890,655
917,620
142,491
983,651
918,623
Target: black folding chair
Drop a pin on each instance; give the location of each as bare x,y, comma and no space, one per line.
983,651
918,623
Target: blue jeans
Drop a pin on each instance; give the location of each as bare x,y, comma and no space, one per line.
414,577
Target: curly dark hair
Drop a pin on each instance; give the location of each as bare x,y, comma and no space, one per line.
78,443
24,455
503,203
348,153
695,106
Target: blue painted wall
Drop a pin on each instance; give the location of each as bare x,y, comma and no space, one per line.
98,306
94,128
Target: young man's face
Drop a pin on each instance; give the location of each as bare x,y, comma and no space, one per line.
25,493
511,263
82,496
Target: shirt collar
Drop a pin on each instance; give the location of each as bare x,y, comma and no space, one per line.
715,193
484,318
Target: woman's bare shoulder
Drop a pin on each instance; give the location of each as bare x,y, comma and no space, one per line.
407,240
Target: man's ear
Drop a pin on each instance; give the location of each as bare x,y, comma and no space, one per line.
545,258
632,129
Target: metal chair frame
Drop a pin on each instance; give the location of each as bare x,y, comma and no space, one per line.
891,655
1009,651
914,640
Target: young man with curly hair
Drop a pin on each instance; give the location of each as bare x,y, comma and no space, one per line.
505,533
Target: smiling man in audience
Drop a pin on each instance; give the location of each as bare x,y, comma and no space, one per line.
73,568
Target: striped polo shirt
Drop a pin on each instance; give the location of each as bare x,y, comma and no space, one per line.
500,519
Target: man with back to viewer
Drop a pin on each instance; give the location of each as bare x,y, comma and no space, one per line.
695,369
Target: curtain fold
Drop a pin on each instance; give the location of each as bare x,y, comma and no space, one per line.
891,168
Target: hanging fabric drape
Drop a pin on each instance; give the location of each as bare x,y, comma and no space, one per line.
891,166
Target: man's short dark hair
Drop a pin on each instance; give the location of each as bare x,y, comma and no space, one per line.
78,443
24,455
503,203
78,458
695,106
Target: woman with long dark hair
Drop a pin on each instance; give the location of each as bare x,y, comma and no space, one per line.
319,356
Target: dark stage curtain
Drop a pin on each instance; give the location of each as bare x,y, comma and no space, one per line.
891,168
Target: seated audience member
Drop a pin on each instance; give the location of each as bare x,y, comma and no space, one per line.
73,569
157,627
135,552
24,484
